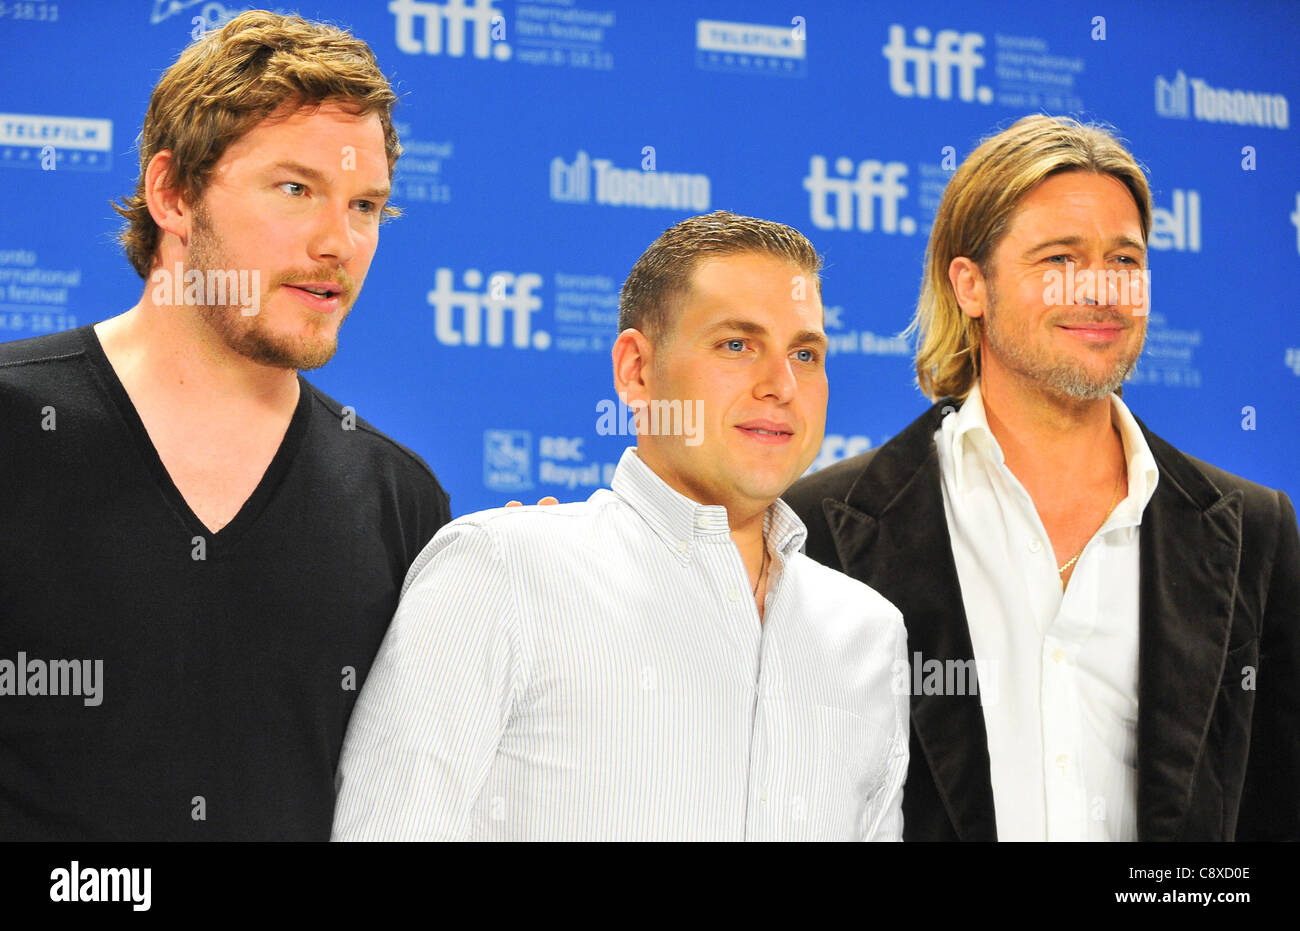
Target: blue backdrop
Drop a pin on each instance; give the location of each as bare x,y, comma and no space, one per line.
482,337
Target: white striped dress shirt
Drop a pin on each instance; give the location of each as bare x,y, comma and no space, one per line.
598,671
1062,717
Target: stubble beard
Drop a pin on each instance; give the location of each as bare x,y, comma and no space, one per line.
248,335
1068,379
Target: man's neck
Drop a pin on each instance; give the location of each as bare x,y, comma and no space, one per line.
169,352
1048,441
745,522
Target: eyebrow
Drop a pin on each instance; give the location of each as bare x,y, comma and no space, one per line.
750,328
1122,241
311,174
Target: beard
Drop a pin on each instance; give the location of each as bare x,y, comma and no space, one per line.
1065,377
253,337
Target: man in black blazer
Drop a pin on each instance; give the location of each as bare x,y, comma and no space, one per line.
1156,695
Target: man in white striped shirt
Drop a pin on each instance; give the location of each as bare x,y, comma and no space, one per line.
596,671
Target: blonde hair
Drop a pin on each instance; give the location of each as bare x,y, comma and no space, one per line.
973,217
229,81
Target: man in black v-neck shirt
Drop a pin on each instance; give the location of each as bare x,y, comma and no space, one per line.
201,552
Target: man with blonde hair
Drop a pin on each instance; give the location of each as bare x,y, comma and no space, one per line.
1133,614
200,552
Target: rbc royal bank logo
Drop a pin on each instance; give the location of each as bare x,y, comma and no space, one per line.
925,70
478,316
478,20
507,460
848,200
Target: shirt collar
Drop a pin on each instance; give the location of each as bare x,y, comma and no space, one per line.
681,522
967,430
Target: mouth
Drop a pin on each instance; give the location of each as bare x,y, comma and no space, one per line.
1090,332
322,296
766,432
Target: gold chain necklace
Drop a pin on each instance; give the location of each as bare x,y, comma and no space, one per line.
762,567
1114,501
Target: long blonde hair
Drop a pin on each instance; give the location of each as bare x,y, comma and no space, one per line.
974,215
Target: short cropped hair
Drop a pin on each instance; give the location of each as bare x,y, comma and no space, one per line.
662,275
231,79
973,217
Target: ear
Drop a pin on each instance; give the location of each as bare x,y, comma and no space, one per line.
167,205
969,285
633,357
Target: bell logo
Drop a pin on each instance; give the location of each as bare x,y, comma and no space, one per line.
849,200
1178,228
482,314
931,74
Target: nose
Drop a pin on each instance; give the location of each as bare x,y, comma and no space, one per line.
775,380
1103,291
332,239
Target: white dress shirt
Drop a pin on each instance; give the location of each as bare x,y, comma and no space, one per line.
1062,715
598,671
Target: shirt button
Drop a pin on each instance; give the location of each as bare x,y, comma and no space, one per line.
762,795
1057,655
1035,546
733,596
1062,761
682,547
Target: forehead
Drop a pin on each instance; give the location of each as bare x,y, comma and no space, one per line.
766,289
311,134
725,278
1082,200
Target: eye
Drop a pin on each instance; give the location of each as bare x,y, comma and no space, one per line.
1058,258
367,206
1128,259
299,188
735,345
806,355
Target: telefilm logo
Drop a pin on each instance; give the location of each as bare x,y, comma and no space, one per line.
860,195
754,47
1218,104
51,143
474,24
575,183
937,65
478,315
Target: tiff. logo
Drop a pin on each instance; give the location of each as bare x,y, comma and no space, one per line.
832,200
931,71
478,18
482,314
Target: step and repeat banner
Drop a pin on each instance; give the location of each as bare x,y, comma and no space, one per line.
548,142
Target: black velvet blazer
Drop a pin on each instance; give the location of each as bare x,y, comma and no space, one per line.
1219,591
